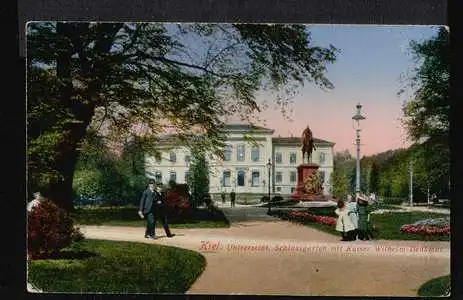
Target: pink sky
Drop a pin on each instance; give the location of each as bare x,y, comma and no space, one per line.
330,118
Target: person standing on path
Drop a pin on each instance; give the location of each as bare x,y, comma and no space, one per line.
232,198
223,197
151,205
364,218
344,223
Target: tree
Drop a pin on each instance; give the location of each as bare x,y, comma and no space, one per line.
111,76
198,176
342,173
426,115
374,177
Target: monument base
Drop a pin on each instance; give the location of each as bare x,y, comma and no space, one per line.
300,194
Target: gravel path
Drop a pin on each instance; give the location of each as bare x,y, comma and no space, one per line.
282,258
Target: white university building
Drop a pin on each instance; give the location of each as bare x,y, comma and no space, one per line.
244,168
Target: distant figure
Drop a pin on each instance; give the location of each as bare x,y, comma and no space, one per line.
232,198
223,197
308,145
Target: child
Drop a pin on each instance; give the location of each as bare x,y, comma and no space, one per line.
354,217
344,223
364,218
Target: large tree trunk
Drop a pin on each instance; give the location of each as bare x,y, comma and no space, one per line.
60,191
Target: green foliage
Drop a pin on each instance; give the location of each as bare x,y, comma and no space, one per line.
94,266
343,176
199,177
436,287
427,113
113,76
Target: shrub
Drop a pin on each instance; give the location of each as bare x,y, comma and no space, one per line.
277,198
264,198
50,229
177,204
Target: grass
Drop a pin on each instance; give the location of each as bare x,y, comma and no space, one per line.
435,287
127,216
388,224
120,267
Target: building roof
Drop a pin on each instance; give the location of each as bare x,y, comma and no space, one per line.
245,128
297,141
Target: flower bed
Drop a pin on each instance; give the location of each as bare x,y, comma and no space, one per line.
305,216
439,226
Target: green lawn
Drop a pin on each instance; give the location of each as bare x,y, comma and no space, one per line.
121,267
435,287
127,216
388,224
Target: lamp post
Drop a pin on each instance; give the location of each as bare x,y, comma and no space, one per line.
357,117
269,168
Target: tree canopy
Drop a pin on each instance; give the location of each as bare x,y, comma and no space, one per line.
116,78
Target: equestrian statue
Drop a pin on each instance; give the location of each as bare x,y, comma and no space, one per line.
308,145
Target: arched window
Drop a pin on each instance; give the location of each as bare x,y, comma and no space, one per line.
172,156
255,178
255,154
240,154
227,152
240,178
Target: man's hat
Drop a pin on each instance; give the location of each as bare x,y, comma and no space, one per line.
152,181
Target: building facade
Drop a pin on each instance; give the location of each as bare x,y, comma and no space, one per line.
244,168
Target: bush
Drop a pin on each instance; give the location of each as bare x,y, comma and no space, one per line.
50,229
277,198
264,198
177,204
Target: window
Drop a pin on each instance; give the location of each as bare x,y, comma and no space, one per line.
278,189
278,158
158,158
187,159
322,177
255,154
158,176
173,157
227,152
173,176
187,175
240,156
226,176
292,176
293,189
278,177
292,158
240,177
322,157
255,178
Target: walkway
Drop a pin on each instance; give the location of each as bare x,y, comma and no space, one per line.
285,258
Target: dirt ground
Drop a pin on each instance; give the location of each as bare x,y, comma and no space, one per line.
281,258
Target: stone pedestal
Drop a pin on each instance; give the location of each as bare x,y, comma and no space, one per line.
304,174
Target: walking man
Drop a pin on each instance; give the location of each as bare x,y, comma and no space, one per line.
232,198
152,205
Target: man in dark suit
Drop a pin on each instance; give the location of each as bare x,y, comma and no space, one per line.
152,206
232,198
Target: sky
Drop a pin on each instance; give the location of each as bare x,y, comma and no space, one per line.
371,61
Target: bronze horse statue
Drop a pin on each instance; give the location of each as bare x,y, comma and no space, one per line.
308,145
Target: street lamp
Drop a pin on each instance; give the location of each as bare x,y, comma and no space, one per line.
357,117
269,168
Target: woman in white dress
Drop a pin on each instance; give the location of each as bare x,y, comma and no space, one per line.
344,223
